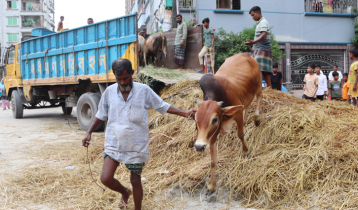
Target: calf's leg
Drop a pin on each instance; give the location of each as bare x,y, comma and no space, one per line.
145,58
240,130
245,115
257,111
214,162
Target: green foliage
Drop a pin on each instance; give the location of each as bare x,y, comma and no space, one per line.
192,21
228,44
354,40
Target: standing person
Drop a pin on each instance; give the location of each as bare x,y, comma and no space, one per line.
262,44
124,105
353,76
276,77
330,76
60,24
4,102
311,84
345,89
208,45
322,87
89,21
180,41
335,88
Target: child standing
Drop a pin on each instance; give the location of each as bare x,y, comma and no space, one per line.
276,77
311,84
345,96
352,77
208,45
335,87
322,87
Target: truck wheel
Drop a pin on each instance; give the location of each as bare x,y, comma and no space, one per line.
87,107
16,105
66,110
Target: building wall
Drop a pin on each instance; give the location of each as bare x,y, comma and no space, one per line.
287,18
316,35
43,11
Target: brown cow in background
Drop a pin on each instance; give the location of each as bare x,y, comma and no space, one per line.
142,49
157,46
226,96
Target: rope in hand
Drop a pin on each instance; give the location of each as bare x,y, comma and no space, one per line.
176,138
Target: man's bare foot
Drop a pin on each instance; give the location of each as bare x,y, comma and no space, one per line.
124,201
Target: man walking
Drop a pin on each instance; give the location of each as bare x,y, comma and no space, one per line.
262,44
60,24
124,105
180,41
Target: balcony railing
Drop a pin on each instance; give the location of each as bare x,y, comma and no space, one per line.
186,3
31,22
52,4
330,6
141,6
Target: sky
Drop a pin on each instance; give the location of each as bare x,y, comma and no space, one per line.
76,12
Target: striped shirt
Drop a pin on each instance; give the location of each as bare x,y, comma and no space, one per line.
265,44
127,121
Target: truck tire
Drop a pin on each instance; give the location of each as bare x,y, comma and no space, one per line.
87,107
16,105
103,125
66,110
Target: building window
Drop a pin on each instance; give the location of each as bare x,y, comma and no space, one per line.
11,58
12,37
12,21
330,6
12,4
19,53
228,4
27,6
186,3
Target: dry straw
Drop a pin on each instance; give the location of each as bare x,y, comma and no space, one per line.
303,155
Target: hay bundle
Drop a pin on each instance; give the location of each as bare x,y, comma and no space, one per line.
302,155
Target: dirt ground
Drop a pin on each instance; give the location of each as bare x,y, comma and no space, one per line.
40,138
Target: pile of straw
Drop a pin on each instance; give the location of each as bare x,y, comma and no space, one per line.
303,155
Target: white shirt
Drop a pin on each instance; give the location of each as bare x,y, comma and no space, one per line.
127,126
330,77
322,86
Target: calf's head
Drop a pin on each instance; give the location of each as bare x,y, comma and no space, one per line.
210,118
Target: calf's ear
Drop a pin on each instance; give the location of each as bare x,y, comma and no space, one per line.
231,110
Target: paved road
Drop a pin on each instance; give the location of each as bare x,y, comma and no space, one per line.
16,135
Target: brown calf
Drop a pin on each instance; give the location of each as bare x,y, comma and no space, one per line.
227,95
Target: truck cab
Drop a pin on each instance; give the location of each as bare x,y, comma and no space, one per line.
12,68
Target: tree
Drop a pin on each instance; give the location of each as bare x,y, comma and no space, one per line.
229,44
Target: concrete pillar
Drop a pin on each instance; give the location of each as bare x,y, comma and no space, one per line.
288,61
